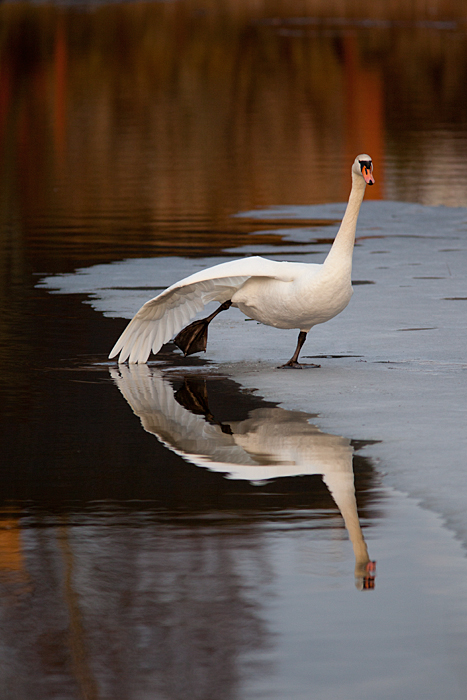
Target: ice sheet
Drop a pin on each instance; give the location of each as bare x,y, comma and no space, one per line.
401,374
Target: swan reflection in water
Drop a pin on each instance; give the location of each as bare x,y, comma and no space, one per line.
271,443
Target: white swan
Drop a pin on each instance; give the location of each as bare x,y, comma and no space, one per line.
279,294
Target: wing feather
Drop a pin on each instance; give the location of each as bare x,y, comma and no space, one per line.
159,319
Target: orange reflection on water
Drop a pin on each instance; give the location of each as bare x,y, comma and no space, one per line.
141,128
165,123
13,573
60,80
365,113
11,556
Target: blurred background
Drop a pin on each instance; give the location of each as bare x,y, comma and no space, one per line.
128,126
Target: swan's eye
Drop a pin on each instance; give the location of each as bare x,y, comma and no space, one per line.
365,164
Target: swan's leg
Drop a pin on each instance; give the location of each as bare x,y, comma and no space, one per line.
293,362
194,338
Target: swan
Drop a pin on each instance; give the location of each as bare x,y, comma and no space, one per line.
278,294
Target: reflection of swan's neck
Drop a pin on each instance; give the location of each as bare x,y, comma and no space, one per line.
342,488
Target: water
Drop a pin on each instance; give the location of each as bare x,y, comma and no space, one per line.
134,561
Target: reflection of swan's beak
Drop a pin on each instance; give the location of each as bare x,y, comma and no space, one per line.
371,567
368,176
365,579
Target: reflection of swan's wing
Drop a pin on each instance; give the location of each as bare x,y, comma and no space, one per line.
191,436
270,444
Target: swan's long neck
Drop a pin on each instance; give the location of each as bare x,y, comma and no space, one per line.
342,248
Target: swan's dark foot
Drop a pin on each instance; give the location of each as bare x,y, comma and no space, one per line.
297,365
194,337
293,363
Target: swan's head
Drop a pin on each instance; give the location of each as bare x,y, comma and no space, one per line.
363,166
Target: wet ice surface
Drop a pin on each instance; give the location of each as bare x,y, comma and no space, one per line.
402,377
393,370
241,610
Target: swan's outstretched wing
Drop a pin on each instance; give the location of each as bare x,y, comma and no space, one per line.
159,319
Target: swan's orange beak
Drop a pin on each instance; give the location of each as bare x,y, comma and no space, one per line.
368,175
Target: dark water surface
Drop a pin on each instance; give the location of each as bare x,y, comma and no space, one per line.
127,569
